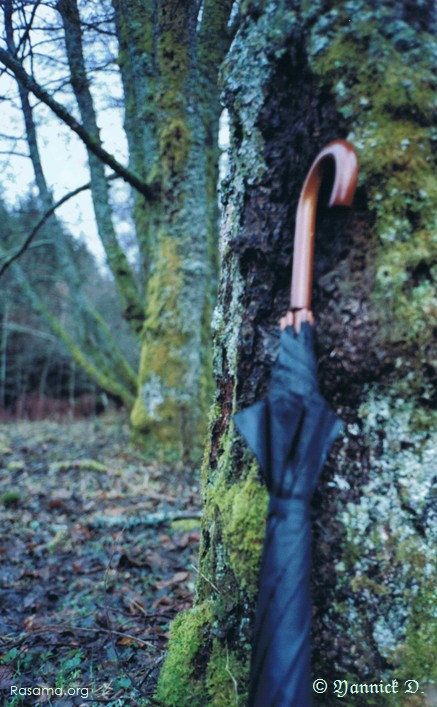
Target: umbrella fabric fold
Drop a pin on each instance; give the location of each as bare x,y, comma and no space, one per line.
290,432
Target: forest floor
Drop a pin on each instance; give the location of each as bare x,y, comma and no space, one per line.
98,554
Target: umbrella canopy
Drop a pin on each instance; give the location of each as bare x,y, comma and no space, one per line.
290,431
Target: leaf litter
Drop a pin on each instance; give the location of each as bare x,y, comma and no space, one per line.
97,556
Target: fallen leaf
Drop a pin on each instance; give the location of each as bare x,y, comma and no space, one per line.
162,601
128,641
176,579
126,560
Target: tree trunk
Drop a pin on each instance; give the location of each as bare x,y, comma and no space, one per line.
299,75
117,260
162,63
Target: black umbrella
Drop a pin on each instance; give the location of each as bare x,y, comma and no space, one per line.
290,432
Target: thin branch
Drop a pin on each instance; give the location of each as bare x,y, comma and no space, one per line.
13,153
21,329
64,628
94,146
196,569
24,246
28,26
228,670
146,521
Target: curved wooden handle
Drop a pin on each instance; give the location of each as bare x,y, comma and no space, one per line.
343,154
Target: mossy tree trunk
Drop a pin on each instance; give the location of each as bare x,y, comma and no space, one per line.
170,122
299,75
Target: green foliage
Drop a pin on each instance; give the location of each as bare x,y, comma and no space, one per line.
174,143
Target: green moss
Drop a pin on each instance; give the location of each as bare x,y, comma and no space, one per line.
173,59
16,465
169,409
364,583
387,96
164,286
83,464
174,144
135,28
179,684
234,517
186,524
10,499
418,654
243,508
232,535
225,677
161,364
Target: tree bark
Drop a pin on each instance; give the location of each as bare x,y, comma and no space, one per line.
135,22
298,76
166,108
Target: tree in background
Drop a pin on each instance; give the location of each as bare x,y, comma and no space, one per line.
297,76
169,56
33,359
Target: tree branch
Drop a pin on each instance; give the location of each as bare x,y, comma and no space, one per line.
39,225
92,144
108,383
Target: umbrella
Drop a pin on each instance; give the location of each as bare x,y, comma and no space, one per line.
290,431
